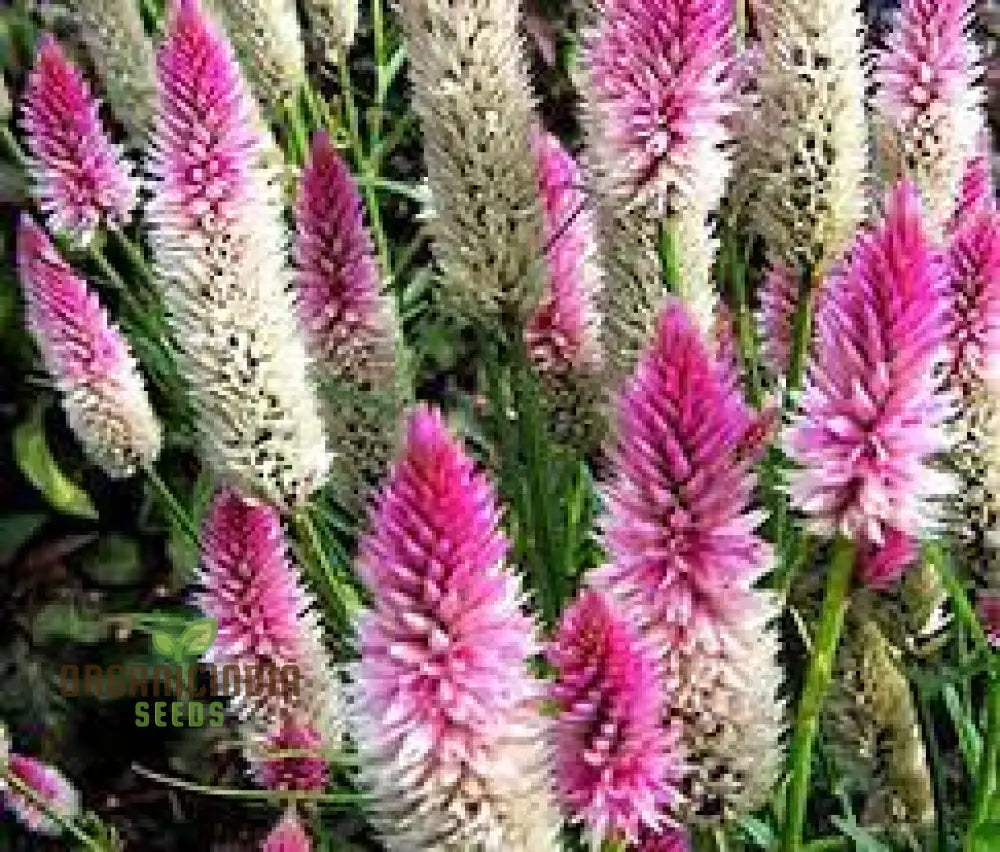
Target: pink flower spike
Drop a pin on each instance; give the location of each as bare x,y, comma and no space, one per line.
668,840
976,194
49,784
562,335
988,607
82,180
443,694
103,394
881,566
872,412
660,72
350,325
613,764
287,836
305,771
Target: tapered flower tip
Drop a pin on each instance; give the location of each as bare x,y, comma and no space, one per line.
872,413
48,784
102,392
82,180
976,194
613,762
880,566
667,840
206,138
288,835
293,758
988,607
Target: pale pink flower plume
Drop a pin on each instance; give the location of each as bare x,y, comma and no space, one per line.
288,835
349,323
872,412
103,394
659,70
49,784
614,762
562,335
83,181
443,694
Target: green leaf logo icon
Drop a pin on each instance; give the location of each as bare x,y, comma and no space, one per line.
198,637
163,644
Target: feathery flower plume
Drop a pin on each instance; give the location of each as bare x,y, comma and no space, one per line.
928,100
288,835
810,138
113,34
684,558
268,40
82,181
562,336
351,327
872,409
613,767
47,783
266,621
103,394
219,244
447,718
334,24
657,93
472,94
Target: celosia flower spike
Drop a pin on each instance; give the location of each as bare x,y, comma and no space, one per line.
562,336
113,34
976,194
447,720
288,835
103,394
808,137
266,619
82,181
872,410
351,326
473,98
46,783
613,767
928,99
683,559
219,243
668,840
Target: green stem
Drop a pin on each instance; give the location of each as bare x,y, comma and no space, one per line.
12,147
986,777
172,506
28,792
667,247
744,323
827,638
939,560
298,137
340,592
937,768
378,39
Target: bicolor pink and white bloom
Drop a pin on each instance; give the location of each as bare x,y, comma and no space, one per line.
102,392
82,180
614,763
47,783
873,410
929,99
219,243
447,717
350,324
266,621
288,835
684,557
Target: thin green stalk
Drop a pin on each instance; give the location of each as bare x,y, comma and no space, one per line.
937,768
938,559
39,802
826,640
378,39
986,777
12,147
340,593
172,506
298,137
667,247
744,323
134,255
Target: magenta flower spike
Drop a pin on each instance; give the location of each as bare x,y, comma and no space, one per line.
872,412
82,180
659,70
779,299
668,840
614,765
446,713
265,618
684,557
103,394
288,835
48,784
976,193
306,770
928,98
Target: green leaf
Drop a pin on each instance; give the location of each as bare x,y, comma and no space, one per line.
758,831
35,461
163,644
116,562
987,837
863,840
198,637
969,739
16,531
62,620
